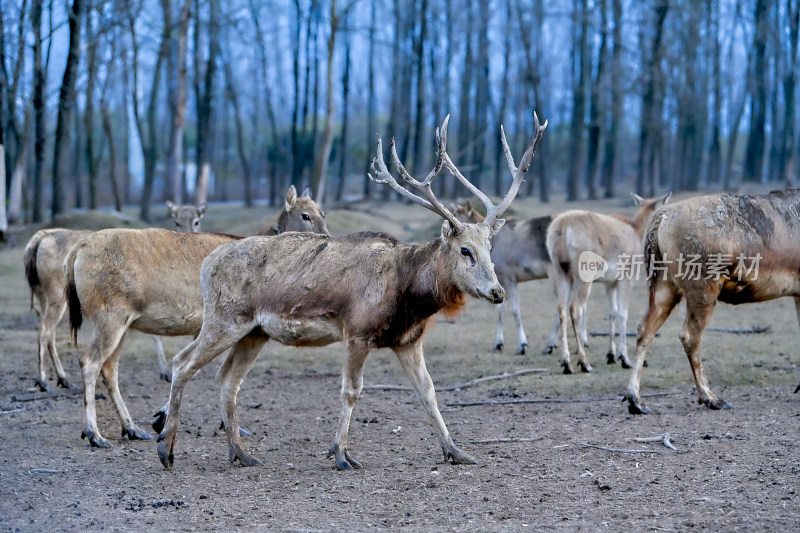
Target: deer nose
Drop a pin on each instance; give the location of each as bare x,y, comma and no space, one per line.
498,295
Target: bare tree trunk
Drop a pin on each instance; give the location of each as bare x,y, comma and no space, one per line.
177,96
596,104
465,133
343,170
88,112
483,96
39,107
233,97
611,156
320,172
16,163
297,167
18,173
754,153
203,97
714,149
501,111
65,102
787,163
581,71
419,54
371,130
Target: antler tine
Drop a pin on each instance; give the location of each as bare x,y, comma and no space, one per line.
495,212
380,174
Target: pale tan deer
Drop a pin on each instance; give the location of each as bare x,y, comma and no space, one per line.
367,289
44,260
745,248
519,254
146,280
610,238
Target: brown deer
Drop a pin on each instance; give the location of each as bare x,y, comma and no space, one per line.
146,280
298,214
612,239
367,289
519,254
744,249
44,259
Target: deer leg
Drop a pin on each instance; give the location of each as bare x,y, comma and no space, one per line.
698,315
110,371
214,338
105,341
580,294
563,289
352,381
163,370
413,363
512,294
623,300
229,378
498,337
797,311
47,345
663,299
551,342
611,292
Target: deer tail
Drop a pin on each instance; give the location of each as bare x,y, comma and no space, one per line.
71,294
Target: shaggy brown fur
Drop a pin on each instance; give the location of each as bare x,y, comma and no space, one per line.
716,230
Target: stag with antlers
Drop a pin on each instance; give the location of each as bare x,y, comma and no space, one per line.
367,289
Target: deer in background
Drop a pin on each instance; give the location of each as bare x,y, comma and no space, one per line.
519,254
147,280
367,289
44,260
746,249
613,238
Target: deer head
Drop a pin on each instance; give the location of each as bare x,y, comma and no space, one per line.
465,246
187,217
301,213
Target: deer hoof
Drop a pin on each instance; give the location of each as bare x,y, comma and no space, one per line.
95,439
245,459
586,368
165,454
634,407
610,359
716,404
342,458
548,349
43,385
135,433
457,457
64,383
166,376
498,347
158,422
521,349
567,367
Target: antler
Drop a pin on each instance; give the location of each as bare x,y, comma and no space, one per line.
493,212
380,174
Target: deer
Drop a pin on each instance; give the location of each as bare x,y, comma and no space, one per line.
743,249
576,237
519,254
367,289
44,259
146,280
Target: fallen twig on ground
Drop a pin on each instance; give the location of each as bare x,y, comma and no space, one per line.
503,441
607,333
12,411
33,396
617,450
554,400
44,471
742,331
663,439
462,385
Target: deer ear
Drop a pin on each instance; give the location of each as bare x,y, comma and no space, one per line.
172,208
448,231
638,200
496,225
201,210
468,206
664,199
306,192
291,198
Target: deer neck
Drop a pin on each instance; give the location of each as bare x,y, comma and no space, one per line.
433,279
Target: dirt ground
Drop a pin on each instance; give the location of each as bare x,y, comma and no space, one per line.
540,464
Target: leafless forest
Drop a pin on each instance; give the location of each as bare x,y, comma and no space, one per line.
115,102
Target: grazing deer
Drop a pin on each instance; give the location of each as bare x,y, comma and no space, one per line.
367,289
44,259
519,254
744,249
610,238
146,280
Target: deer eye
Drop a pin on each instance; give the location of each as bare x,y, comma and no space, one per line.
305,216
465,252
